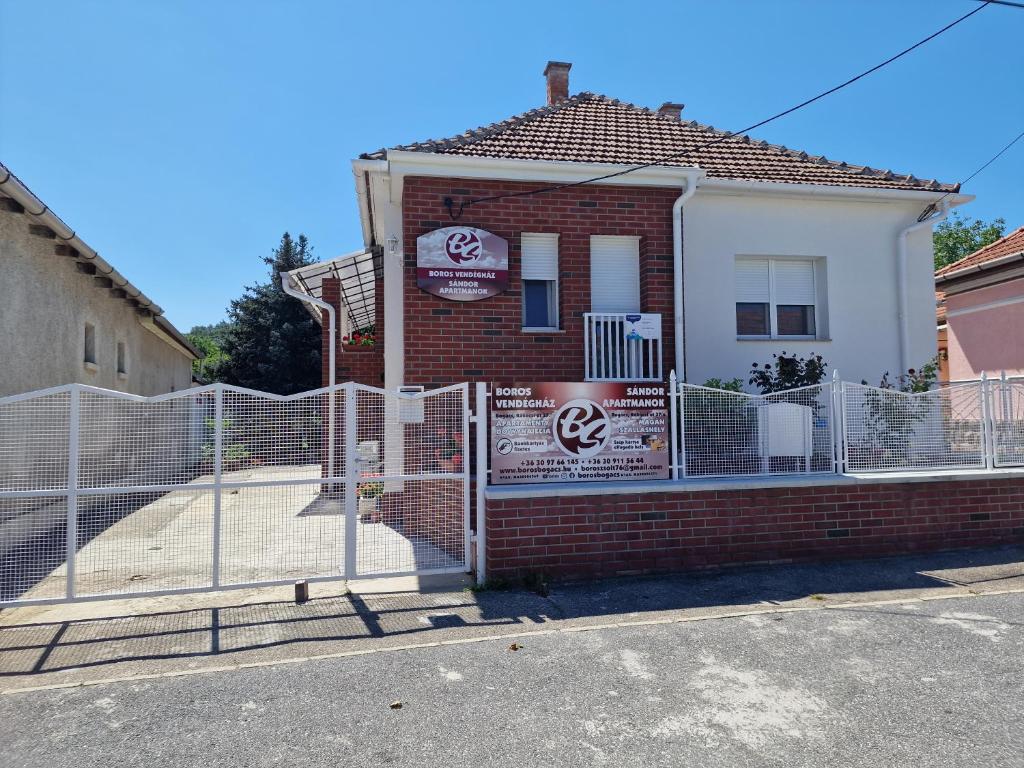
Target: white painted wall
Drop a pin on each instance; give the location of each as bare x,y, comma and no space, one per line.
856,239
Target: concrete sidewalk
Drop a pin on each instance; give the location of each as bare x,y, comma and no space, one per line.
88,643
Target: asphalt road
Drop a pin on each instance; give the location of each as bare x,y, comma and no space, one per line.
910,683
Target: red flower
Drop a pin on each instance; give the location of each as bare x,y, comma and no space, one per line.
457,460
457,437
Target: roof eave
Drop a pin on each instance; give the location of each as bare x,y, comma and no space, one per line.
985,266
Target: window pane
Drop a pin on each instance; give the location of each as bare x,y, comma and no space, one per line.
537,304
751,319
795,319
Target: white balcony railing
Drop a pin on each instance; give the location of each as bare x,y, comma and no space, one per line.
622,346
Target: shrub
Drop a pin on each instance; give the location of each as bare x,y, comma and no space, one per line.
732,385
788,372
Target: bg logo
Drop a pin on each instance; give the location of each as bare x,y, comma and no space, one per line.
463,246
581,428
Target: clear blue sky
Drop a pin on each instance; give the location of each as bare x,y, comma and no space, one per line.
182,138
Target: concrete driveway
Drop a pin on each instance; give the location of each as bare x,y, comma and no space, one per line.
145,542
904,661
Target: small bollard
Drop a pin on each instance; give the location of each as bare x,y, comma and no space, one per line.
301,592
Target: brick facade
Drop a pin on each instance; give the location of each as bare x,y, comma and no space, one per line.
449,341
583,536
363,365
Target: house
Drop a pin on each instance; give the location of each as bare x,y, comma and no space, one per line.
495,255
67,316
981,310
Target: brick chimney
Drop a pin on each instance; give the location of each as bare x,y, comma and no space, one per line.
668,109
557,73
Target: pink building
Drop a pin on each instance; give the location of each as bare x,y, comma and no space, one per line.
983,318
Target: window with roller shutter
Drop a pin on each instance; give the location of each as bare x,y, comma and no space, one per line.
776,298
614,273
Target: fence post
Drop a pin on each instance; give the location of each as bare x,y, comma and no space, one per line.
467,541
673,425
481,482
835,406
74,426
844,442
218,468
351,479
987,432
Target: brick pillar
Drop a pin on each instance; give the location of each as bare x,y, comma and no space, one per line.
331,293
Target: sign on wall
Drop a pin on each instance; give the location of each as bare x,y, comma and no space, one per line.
461,263
568,432
643,327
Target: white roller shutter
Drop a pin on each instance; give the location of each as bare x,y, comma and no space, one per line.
752,281
794,282
540,257
614,273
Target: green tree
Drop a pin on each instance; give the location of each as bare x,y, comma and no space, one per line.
958,237
210,341
273,343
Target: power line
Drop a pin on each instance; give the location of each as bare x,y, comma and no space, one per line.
931,208
994,157
729,134
1007,3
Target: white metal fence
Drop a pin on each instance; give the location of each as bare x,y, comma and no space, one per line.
105,494
845,427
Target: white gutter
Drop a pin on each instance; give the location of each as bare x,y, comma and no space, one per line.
901,279
286,286
359,170
677,270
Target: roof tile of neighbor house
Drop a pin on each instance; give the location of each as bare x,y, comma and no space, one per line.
591,128
1010,245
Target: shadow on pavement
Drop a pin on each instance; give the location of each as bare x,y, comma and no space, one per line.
252,631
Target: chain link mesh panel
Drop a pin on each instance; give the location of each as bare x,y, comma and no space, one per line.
888,430
1008,422
289,435
139,442
734,433
408,522
144,541
282,532
34,438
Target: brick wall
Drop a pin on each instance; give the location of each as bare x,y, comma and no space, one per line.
363,365
579,536
449,341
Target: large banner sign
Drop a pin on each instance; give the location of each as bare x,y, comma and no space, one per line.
558,432
462,263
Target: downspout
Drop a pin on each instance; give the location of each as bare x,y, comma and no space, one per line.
901,279
677,270
332,333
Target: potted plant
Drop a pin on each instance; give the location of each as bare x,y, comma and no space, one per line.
369,500
449,450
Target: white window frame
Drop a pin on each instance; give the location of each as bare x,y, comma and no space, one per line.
552,290
773,334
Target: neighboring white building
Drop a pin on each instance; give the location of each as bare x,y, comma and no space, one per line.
67,316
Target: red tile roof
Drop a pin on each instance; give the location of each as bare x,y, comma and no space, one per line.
1010,245
590,128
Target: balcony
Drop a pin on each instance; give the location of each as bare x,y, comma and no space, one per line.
622,346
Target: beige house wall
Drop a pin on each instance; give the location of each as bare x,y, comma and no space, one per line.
45,303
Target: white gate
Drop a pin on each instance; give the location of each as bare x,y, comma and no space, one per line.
105,494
